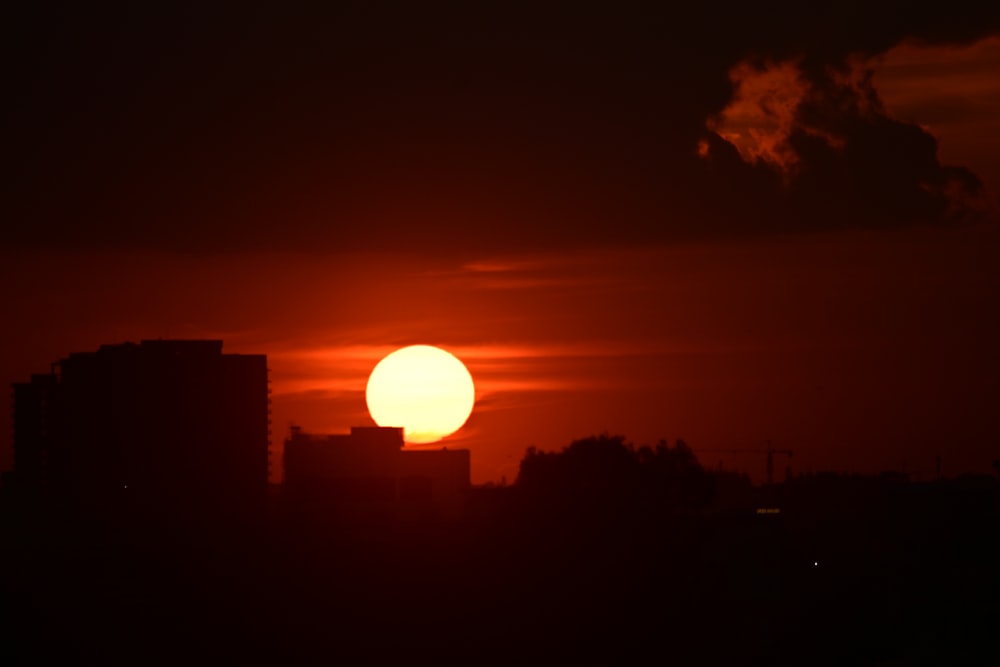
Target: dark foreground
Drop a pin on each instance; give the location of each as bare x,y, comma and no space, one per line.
895,585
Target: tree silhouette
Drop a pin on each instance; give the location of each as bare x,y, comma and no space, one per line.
607,471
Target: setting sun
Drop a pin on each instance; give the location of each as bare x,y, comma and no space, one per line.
422,388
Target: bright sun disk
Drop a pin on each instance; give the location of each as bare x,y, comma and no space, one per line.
424,389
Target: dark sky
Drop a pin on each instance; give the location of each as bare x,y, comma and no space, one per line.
511,124
655,207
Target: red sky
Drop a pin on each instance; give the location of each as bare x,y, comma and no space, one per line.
557,229
858,350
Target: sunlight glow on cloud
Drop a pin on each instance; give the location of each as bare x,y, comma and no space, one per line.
763,112
774,100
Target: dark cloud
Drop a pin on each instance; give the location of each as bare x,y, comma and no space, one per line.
881,172
842,159
360,125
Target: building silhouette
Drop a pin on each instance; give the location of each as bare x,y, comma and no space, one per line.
368,473
165,425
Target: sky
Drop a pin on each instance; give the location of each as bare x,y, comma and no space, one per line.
775,223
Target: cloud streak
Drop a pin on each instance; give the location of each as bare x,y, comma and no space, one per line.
505,368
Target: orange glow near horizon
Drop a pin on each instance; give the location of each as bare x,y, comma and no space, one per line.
424,389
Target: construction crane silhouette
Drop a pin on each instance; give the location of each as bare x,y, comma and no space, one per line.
769,450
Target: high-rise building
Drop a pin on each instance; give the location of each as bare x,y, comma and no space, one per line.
173,425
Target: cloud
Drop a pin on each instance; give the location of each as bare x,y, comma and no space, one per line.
952,92
827,132
763,113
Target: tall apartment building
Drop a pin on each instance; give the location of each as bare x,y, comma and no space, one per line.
166,424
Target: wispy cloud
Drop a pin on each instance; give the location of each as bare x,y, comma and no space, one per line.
495,368
567,271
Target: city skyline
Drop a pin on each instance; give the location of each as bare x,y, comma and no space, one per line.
743,457
374,552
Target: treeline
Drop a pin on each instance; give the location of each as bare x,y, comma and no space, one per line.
608,472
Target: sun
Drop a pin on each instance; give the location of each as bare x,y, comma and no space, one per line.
422,388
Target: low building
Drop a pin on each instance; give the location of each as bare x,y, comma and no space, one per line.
369,472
